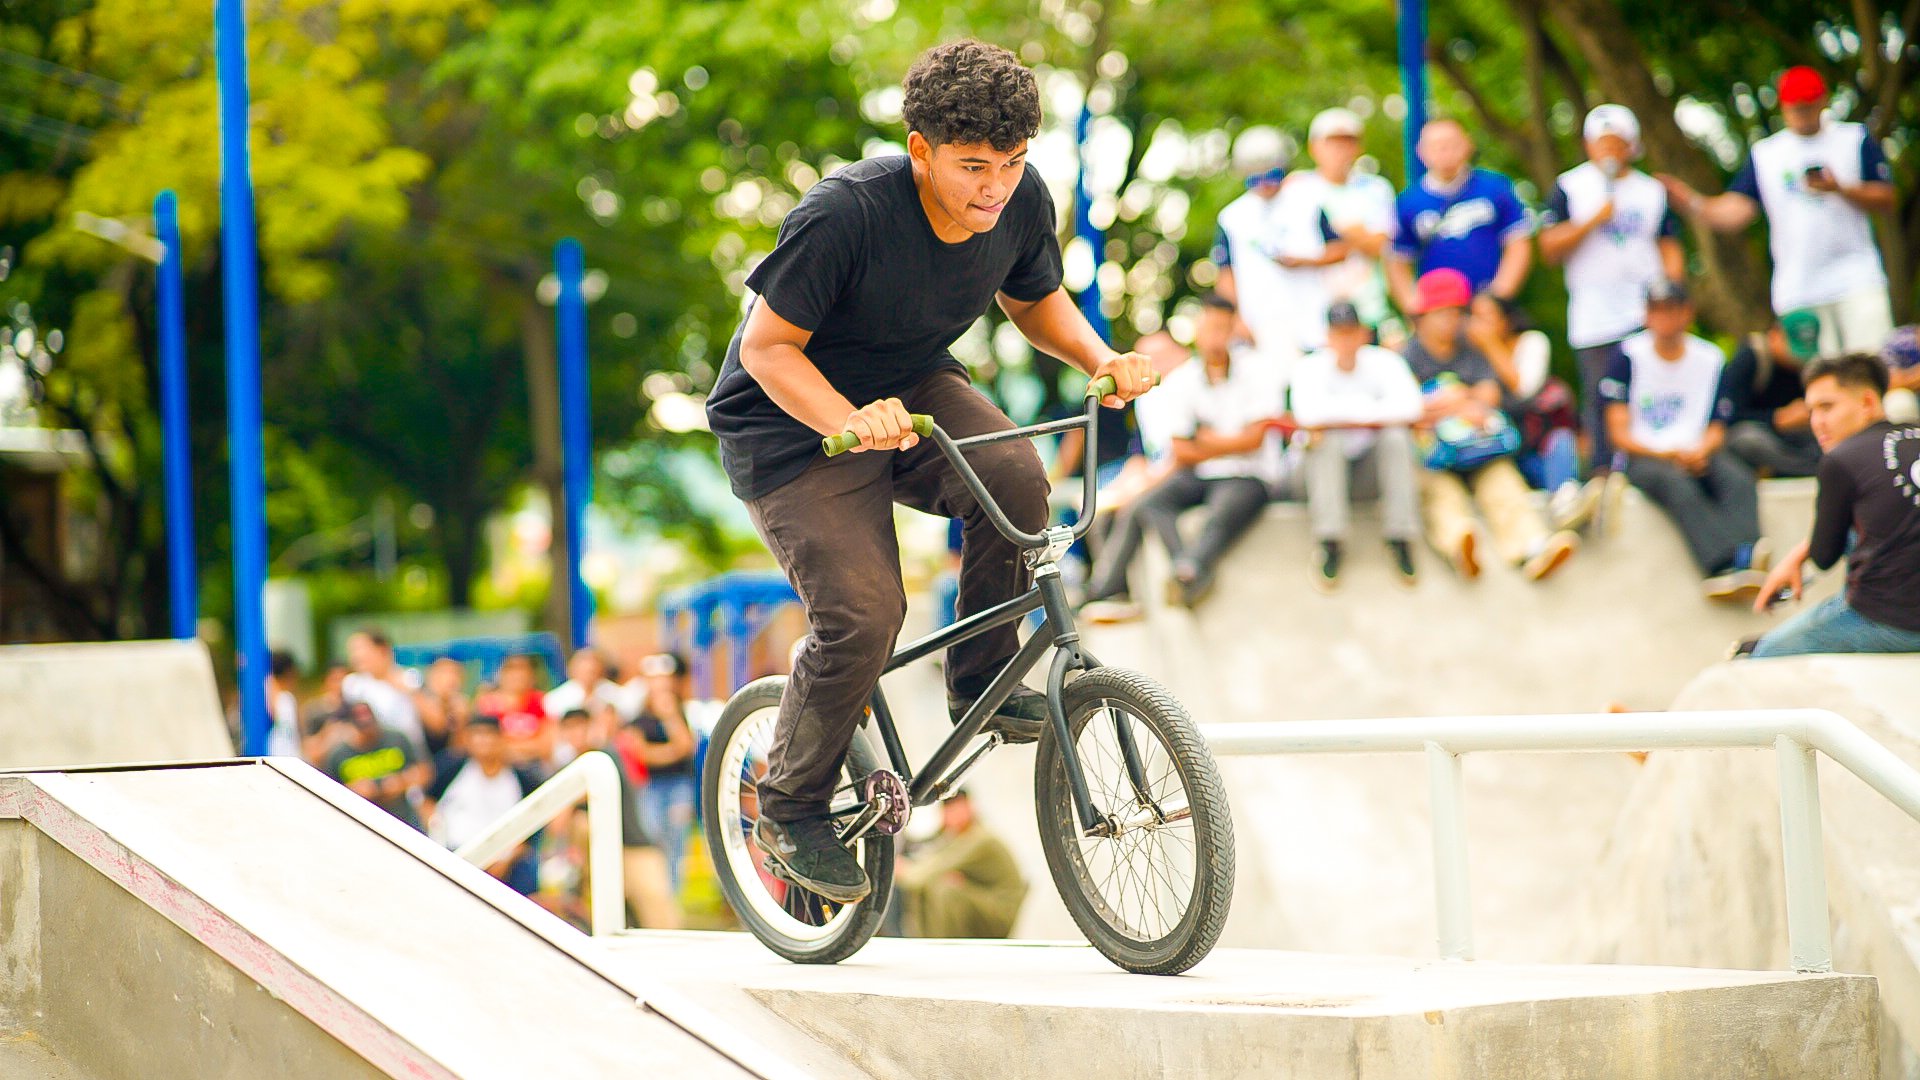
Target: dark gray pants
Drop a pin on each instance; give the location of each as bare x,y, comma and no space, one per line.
1593,361
1715,513
1233,503
1782,453
831,528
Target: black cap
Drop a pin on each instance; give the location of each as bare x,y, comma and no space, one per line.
1663,291
1343,314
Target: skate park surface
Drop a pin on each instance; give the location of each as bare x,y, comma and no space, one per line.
254,919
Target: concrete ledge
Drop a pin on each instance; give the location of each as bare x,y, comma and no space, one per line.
87,704
934,1010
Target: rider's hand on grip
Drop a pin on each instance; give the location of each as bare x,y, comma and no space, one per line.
883,425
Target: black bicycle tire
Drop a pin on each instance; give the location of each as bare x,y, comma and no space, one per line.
878,848
1199,930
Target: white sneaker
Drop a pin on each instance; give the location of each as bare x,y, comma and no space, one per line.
1572,505
1762,557
1613,493
1553,554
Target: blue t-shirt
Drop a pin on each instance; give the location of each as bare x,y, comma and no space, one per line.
1463,229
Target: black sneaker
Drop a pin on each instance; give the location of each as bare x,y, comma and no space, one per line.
1328,578
1020,719
1403,561
809,852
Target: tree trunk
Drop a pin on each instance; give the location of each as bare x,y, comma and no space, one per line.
1732,286
543,404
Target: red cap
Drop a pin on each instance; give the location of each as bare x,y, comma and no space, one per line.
1800,86
1445,287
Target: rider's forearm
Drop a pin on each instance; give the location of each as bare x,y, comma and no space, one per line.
794,384
1056,327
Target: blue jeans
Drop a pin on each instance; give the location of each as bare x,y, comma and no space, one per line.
1558,461
666,809
1832,627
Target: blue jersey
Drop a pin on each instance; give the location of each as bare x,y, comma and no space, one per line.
1463,229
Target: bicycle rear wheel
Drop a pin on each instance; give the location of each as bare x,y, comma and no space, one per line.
1152,889
794,922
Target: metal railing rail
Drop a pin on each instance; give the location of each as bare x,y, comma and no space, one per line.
1795,736
596,777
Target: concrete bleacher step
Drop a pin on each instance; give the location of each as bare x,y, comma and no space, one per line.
934,1010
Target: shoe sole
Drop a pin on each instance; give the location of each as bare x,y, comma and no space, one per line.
839,894
1554,560
1468,561
1324,585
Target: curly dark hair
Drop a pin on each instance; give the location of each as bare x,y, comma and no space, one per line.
972,92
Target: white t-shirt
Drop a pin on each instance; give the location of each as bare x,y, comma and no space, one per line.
1379,390
1671,402
1822,245
1532,356
1608,274
283,738
391,705
1365,201
473,801
1250,230
568,696
1249,392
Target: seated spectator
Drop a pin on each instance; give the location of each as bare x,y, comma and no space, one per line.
474,790
1471,463
384,685
327,702
1667,409
443,704
587,687
1869,485
1901,354
283,709
1357,403
1224,410
965,884
1540,404
521,709
1769,428
666,744
379,764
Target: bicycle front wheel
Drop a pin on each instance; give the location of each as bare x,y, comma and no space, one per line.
796,923
1151,888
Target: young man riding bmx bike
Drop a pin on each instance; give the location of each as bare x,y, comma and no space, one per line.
877,272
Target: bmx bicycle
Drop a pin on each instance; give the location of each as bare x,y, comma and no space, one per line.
1132,813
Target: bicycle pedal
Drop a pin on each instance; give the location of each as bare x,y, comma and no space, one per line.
774,870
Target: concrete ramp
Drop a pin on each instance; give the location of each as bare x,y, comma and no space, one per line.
88,704
253,920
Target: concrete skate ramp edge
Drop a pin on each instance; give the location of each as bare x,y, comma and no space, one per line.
1691,871
93,703
250,918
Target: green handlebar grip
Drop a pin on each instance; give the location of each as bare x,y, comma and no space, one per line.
1102,386
835,445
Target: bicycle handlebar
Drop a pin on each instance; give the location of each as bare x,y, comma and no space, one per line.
835,445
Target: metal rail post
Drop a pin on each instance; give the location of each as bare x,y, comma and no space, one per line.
1453,902
1809,937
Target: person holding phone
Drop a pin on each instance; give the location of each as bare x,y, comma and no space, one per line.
1819,181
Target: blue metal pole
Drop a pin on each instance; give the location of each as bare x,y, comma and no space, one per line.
576,427
1413,78
1083,228
246,473
183,585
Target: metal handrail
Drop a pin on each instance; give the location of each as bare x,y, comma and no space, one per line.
1795,735
596,777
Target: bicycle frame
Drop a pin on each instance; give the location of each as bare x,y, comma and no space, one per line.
1057,632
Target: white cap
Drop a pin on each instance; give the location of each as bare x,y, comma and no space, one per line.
1332,122
1260,148
1613,120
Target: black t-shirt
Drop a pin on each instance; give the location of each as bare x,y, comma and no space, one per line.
390,753
1871,484
1755,393
654,730
859,266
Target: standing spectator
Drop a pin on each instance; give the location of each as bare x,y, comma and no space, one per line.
1667,410
1458,218
283,709
473,790
666,744
1609,224
966,884
378,763
1769,427
1357,208
1471,462
1901,354
444,705
1246,248
1227,453
1358,403
1869,486
1817,181
587,687
1540,404
521,709
383,685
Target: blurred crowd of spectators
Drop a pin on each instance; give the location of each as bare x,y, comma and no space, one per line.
1367,343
